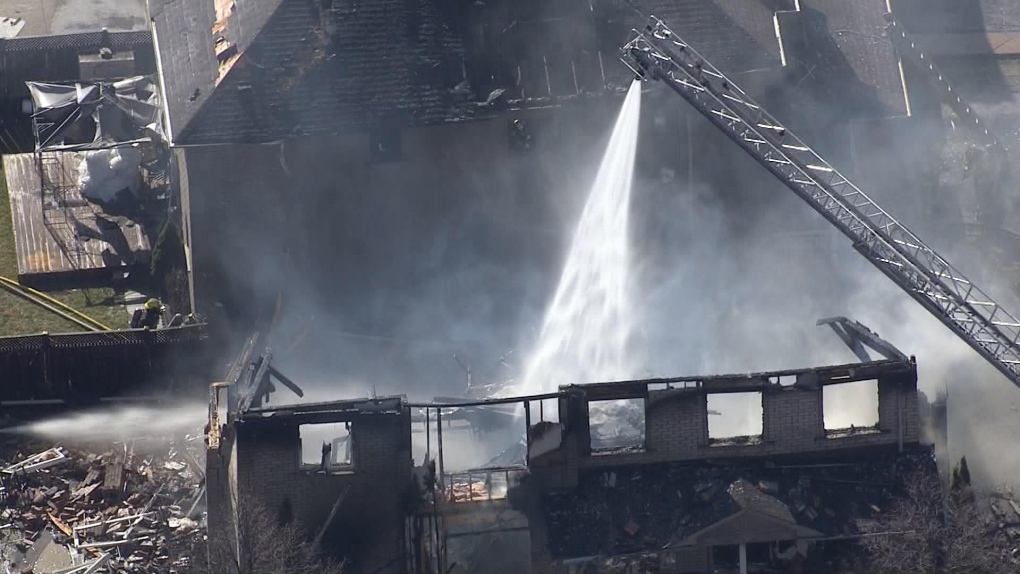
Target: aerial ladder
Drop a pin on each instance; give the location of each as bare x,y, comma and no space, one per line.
656,53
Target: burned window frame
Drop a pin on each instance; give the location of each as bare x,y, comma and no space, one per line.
735,440
852,430
332,466
640,446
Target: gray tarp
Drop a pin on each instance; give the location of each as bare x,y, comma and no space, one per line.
83,116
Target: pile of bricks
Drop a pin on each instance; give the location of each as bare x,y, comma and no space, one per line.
124,510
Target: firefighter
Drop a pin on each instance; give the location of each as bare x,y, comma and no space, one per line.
520,134
149,316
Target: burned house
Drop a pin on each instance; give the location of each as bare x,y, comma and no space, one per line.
677,496
351,498
289,460
728,495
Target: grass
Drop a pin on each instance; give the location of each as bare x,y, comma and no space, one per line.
19,317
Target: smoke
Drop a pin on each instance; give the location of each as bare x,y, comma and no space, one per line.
734,281
385,270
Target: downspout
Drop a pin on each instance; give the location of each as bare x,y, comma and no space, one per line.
165,103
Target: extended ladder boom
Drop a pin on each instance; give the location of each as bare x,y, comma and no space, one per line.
657,53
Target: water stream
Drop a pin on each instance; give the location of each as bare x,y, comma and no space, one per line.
589,323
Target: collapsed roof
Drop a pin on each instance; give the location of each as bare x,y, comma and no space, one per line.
91,116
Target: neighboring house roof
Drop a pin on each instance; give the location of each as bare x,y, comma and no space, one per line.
184,45
262,70
989,30
86,41
958,16
736,35
304,67
48,18
307,67
846,42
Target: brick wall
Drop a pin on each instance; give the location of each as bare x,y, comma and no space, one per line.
369,524
219,486
676,422
793,418
677,426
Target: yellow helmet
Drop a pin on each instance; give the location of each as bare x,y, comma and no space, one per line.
153,305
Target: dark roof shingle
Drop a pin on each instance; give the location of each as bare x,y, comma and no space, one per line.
314,70
308,67
859,50
958,16
184,46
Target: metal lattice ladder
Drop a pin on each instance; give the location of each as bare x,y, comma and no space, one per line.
57,214
657,53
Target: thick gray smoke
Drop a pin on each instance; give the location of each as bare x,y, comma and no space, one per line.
385,270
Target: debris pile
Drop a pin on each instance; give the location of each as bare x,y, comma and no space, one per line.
631,510
130,509
1005,516
461,492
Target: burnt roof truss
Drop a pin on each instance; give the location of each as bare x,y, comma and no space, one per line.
254,389
859,338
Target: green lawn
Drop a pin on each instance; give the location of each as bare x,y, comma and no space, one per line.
19,317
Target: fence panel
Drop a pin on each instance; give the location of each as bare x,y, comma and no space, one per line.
87,367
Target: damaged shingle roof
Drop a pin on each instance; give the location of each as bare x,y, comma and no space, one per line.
312,67
861,50
736,35
321,67
184,47
307,67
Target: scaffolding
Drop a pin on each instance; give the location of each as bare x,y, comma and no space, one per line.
73,120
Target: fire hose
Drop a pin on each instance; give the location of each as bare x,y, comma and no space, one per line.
50,304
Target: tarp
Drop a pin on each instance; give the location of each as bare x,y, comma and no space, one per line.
100,115
104,173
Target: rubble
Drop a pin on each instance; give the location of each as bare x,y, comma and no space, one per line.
626,511
135,508
460,492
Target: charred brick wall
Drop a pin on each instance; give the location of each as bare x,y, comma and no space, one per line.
676,430
368,526
676,422
676,426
